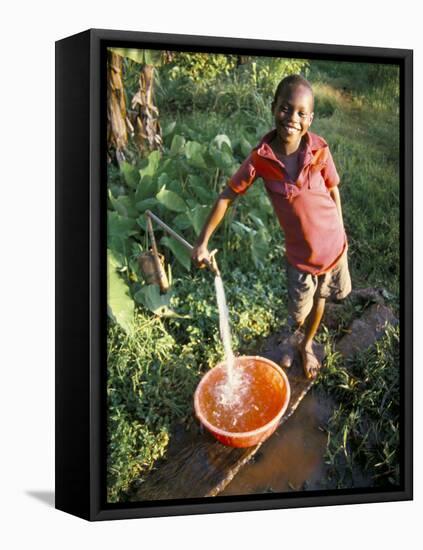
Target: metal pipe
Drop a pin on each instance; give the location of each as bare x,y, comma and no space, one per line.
211,265
169,230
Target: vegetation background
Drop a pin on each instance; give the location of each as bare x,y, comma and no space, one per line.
212,110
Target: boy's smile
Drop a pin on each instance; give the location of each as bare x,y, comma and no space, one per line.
293,112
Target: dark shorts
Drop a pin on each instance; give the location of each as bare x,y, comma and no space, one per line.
303,287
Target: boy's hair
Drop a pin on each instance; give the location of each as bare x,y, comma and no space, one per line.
292,81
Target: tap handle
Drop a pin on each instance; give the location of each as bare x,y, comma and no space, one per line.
212,264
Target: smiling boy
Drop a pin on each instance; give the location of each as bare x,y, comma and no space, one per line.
302,183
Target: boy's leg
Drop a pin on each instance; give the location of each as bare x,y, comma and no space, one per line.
291,343
307,296
334,284
301,290
311,364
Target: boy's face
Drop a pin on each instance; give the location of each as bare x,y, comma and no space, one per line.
293,112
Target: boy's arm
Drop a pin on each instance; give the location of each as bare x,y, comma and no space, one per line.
217,213
334,193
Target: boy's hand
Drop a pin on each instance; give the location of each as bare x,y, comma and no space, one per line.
199,254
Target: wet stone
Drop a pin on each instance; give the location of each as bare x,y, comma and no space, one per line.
335,311
332,315
366,295
363,332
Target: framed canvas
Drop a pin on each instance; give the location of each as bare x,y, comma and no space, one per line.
233,274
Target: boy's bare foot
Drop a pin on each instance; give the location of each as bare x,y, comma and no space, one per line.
311,364
288,347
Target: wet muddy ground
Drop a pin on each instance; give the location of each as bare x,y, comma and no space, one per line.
293,458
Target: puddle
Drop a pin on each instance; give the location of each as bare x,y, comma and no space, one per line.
292,459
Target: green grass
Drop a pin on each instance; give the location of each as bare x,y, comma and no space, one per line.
365,147
363,430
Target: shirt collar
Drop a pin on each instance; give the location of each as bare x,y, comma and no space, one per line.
313,144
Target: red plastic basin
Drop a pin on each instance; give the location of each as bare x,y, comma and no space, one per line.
261,403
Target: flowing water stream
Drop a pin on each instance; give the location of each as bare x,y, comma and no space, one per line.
225,331
230,391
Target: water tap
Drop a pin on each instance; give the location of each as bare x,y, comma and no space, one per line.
212,264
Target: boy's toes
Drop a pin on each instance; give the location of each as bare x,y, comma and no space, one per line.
287,359
311,364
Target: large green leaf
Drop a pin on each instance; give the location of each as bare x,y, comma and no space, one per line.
146,189
178,145
200,189
168,129
198,217
163,179
176,187
204,195
221,139
150,297
124,206
256,219
179,251
259,247
241,229
130,174
182,221
171,200
115,205
222,158
152,164
147,204
120,226
142,222
245,146
119,302
194,153
119,229
169,167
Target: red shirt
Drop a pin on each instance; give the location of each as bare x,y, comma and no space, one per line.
314,236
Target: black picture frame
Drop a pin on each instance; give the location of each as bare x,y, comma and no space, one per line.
81,278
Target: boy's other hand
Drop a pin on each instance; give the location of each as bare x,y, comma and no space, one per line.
200,254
